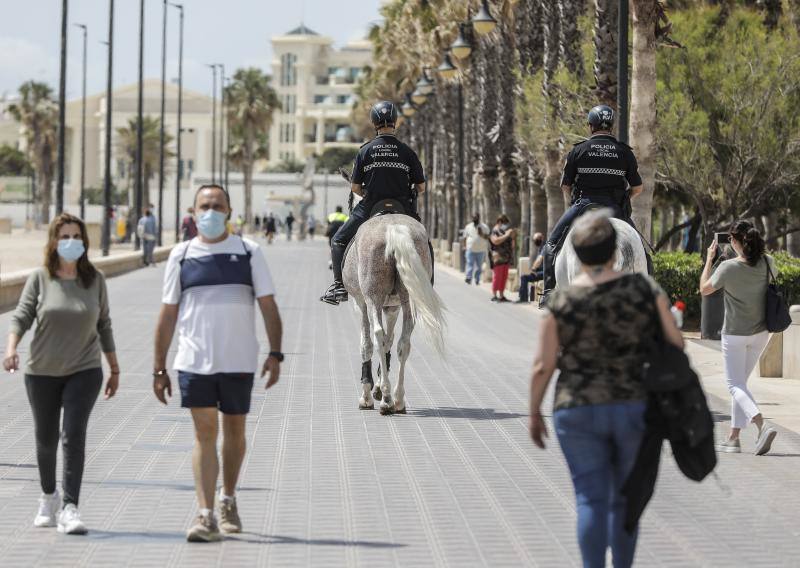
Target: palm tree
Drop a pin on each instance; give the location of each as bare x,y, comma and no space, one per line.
251,103
606,44
151,148
643,106
38,114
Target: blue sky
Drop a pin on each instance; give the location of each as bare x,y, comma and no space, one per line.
233,32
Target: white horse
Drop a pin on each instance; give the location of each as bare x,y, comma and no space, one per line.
630,256
387,270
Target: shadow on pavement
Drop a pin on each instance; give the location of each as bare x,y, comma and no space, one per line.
135,535
30,465
134,483
256,538
468,413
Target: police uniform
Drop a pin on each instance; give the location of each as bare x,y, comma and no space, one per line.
386,168
600,170
335,222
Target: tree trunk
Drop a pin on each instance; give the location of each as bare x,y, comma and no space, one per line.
538,205
606,42
247,171
771,230
643,106
570,11
793,239
525,221
45,196
491,195
794,7
552,187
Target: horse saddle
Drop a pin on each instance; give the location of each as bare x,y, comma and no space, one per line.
387,207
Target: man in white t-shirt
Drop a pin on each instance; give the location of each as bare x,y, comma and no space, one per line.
210,286
476,235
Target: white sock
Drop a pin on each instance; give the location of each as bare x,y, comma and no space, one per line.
223,497
206,512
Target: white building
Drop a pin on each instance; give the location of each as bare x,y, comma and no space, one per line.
315,83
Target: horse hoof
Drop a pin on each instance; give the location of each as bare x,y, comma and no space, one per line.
401,411
386,410
363,406
377,394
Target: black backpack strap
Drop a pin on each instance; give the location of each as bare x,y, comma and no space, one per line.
185,252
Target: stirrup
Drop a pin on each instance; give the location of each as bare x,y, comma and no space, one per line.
335,294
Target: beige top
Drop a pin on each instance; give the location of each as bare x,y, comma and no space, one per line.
72,324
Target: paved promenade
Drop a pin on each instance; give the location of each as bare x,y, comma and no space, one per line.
455,482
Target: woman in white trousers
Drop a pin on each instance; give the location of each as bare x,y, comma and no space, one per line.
744,333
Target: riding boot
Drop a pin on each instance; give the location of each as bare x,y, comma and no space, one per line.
548,271
336,293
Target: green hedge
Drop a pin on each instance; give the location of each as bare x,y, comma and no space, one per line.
679,274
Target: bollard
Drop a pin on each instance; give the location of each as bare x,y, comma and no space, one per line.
770,364
455,261
791,346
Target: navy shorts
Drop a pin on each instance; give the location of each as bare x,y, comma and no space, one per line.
230,392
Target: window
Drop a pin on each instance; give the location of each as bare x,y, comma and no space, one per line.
319,99
333,70
343,99
288,70
122,168
289,104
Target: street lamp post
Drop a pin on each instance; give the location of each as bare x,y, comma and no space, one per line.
83,125
106,238
62,105
179,169
227,135
139,127
213,123
221,123
162,136
622,72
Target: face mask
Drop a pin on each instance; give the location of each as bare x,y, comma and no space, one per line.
71,249
211,224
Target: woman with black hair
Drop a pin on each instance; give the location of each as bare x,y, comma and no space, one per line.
744,332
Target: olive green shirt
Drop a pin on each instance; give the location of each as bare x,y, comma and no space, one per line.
72,324
745,295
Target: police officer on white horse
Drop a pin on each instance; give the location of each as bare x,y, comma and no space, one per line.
385,168
600,171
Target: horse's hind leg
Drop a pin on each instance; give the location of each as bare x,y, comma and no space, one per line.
366,402
379,339
403,351
391,313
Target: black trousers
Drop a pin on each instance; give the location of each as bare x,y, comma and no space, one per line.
76,394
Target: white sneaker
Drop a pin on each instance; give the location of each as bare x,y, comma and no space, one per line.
48,510
69,521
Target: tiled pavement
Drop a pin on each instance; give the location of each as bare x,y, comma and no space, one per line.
454,482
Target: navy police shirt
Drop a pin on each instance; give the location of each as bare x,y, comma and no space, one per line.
387,168
601,166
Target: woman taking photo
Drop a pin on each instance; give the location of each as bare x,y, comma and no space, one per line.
502,240
596,332
744,331
67,299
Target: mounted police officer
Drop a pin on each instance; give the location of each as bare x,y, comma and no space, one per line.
600,171
385,168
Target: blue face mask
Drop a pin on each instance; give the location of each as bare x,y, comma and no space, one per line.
211,224
71,249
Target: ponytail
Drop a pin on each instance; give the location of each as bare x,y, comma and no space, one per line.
753,244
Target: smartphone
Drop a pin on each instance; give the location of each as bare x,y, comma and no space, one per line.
722,238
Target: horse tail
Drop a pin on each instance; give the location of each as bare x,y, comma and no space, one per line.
427,307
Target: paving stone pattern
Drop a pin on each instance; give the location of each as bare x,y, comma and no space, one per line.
455,482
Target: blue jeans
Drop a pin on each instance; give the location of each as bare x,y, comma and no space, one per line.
600,443
474,264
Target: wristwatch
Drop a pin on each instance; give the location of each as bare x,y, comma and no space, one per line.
278,355
160,373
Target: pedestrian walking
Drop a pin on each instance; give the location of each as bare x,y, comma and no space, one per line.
147,232
210,285
67,299
289,223
744,331
188,226
270,227
312,226
536,274
476,236
597,332
257,223
335,222
239,229
502,241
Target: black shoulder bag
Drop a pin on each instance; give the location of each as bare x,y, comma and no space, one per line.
667,367
777,310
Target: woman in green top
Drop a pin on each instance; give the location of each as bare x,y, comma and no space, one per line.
67,299
744,332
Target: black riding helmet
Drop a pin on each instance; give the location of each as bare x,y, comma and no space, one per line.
383,114
601,117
